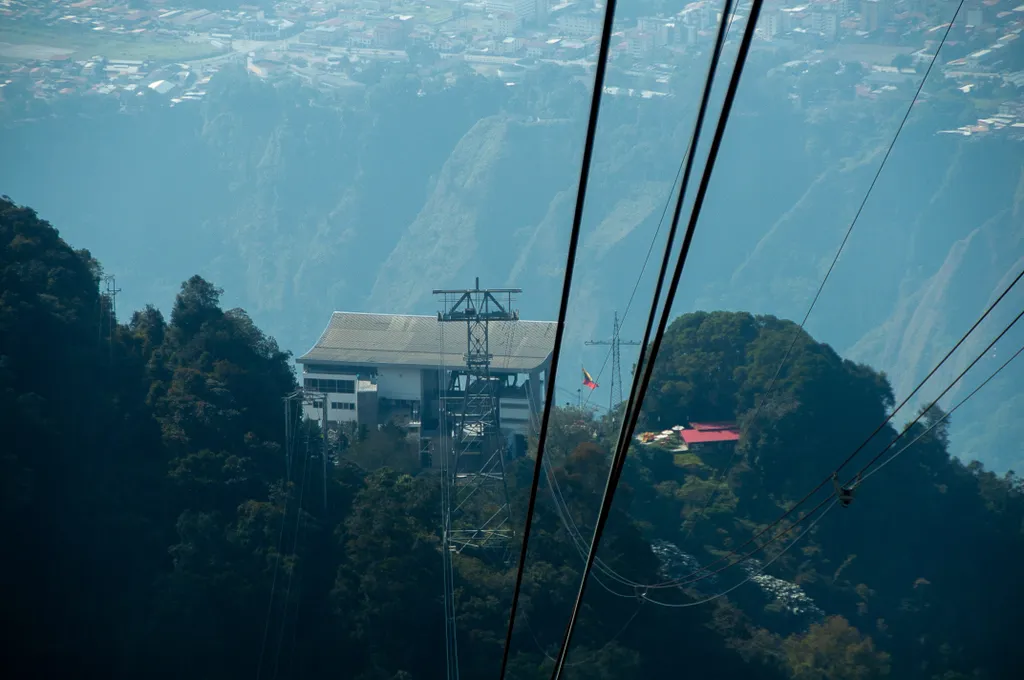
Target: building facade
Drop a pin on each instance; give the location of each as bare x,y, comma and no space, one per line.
376,368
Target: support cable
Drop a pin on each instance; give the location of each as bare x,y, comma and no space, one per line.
828,273
685,169
935,401
703,573
862,477
289,443
877,430
642,379
690,147
861,480
597,652
299,516
677,582
447,569
574,237
866,474
755,573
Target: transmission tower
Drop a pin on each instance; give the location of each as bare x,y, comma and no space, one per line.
475,460
615,393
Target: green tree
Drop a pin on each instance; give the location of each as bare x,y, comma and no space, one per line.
834,650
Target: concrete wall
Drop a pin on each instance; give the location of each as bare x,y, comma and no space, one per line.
398,382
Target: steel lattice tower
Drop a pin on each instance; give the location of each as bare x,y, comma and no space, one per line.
476,457
615,393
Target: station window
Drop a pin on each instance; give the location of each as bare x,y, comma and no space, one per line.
327,386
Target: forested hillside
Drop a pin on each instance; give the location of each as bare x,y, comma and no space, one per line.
157,532
368,198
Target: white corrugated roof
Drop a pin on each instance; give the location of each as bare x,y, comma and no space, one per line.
408,340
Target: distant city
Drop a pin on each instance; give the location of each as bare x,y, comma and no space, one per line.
55,49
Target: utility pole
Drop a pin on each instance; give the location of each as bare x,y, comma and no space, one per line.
110,293
615,393
478,452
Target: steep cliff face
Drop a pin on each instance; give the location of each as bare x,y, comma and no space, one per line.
297,204
963,249
489,198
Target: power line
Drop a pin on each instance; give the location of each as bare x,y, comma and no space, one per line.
639,387
796,332
650,249
690,146
299,517
565,515
447,569
862,476
613,638
859,475
289,442
574,236
945,416
752,576
836,259
814,301
892,414
951,385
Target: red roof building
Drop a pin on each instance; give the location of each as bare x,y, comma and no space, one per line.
708,433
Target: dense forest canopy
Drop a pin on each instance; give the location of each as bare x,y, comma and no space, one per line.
157,529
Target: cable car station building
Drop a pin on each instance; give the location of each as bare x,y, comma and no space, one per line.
375,368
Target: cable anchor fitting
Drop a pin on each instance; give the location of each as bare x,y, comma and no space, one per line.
844,493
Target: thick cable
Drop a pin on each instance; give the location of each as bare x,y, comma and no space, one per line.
860,480
703,573
690,147
596,653
632,411
864,477
935,401
750,577
835,260
289,450
867,440
570,264
299,516
796,333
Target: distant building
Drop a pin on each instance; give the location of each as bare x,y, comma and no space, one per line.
875,14
375,368
825,21
505,23
703,435
579,25
524,10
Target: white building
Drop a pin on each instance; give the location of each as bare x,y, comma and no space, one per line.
524,10
372,368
